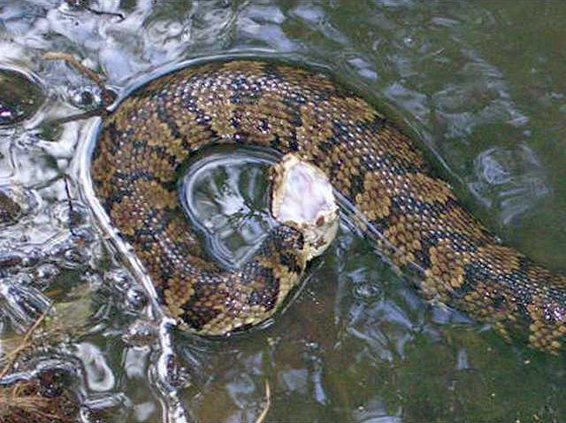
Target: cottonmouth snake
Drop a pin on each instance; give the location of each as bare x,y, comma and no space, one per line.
147,139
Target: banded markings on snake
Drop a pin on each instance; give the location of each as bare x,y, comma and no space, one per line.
421,225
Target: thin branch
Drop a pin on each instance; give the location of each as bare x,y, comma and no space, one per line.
99,111
71,209
13,355
102,12
82,69
267,406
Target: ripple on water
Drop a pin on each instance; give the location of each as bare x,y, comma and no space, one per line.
226,196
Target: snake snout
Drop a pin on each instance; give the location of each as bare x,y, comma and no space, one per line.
302,197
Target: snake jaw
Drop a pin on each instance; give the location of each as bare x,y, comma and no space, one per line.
302,198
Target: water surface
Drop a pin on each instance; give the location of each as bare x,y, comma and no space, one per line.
479,84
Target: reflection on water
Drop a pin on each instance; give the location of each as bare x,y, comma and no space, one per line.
227,197
508,181
21,97
479,83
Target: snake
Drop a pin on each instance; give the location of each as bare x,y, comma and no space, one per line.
411,216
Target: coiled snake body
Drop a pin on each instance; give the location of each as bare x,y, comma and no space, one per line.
420,223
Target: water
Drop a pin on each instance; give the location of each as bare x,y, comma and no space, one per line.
480,84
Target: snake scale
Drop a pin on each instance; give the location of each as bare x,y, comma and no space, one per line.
148,138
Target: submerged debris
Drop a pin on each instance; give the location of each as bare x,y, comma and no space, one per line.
46,397
42,397
44,394
9,209
141,333
10,358
85,5
20,97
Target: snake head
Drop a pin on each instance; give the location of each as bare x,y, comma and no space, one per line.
302,198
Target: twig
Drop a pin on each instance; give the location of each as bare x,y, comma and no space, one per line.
265,410
71,209
102,12
13,355
79,4
82,69
86,115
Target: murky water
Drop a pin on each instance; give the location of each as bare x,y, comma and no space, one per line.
480,84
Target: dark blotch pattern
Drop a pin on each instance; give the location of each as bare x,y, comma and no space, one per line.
421,225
